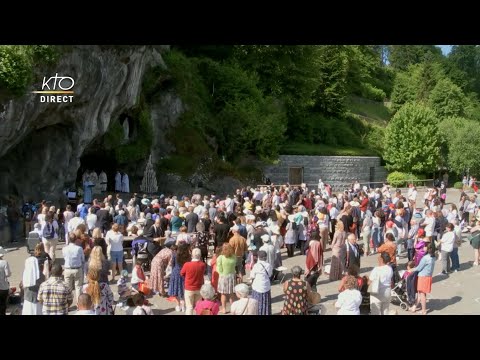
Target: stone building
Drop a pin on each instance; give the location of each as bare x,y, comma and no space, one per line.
338,171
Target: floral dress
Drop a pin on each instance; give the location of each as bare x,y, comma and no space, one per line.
158,268
106,300
295,298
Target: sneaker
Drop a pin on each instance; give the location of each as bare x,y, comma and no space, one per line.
177,308
183,309
456,270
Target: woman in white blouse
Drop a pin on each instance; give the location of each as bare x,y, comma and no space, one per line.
350,299
114,240
380,300
245,305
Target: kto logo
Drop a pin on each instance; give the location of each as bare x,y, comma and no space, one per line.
56,85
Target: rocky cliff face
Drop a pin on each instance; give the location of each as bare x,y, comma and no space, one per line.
41,143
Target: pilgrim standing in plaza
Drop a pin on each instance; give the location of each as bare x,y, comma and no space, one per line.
32,278
5,273
125,183
118,182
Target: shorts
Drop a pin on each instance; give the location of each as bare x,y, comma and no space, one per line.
240,269
116,257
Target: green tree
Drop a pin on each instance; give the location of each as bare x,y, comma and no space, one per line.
332,62
411,140
460,138
403,91
447,99
402,56
426,80
467,59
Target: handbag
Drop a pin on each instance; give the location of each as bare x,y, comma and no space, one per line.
313,298
168,271
143,288
375,286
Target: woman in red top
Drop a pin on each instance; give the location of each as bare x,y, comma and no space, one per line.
353,270
213,264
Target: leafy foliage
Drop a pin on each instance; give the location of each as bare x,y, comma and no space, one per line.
411,140
460,137
447,99
400,179
458,185
17,64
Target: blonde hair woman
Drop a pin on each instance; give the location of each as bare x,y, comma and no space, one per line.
101,294
338,248
98,240
114,239
100,263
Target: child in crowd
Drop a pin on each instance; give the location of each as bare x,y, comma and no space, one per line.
138,276
123,290
410,267
141,305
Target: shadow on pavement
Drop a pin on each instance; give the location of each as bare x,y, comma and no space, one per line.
439,304
162,312
466,265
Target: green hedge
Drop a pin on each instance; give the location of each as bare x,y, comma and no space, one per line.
399,179
458,185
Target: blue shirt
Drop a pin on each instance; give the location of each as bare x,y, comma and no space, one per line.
426,265
74,257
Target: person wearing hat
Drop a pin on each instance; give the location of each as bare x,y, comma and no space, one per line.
269,250
291,235
261,287
256,237
5,273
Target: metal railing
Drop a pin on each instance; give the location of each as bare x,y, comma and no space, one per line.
371,184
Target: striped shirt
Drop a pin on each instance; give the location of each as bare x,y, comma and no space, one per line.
55,295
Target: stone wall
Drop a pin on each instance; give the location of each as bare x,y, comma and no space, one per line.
338,171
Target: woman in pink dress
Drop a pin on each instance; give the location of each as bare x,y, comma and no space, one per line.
338,247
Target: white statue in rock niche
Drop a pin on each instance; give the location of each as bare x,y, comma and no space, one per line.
126,129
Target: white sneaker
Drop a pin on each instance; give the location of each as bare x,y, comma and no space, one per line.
183,309
177,308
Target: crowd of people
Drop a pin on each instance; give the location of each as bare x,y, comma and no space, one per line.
196,250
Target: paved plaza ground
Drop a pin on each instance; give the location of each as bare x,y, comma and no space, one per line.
457,293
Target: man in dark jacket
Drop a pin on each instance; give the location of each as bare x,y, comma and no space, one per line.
352,253
191,220
221,230
104,219
155,231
